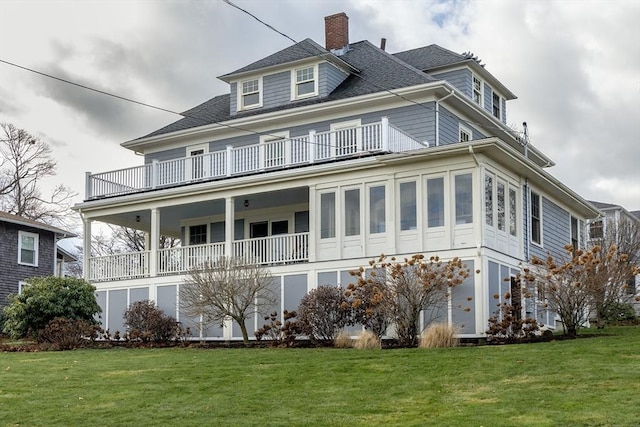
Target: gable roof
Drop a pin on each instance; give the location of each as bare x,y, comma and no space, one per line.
15,219
378,71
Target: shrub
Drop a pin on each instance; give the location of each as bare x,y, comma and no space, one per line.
45,299
279,333
66,334
367,340
343,340
323,312
439,335
619,312
508,326
146,322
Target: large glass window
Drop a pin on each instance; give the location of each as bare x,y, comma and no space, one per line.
250,93
464,199
501,203
536,235
327,215
488,199
27,248
352,212
435,202
408,206
512,212
377,220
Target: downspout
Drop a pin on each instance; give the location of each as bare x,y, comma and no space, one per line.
438,116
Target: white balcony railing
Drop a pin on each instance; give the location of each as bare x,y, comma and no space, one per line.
286,248
234,161
119,266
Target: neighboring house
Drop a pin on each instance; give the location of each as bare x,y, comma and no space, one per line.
614,225
28,249
320,159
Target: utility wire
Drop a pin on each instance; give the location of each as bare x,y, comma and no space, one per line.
377,86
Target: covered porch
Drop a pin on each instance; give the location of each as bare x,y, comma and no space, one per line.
270,228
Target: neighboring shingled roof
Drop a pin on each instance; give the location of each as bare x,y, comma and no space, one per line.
15,219
428,57
636,214
307,48
601,205
379,71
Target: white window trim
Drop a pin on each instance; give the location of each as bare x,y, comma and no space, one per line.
36,245
473,89
21,285
468,131
294,82
531,193
241,106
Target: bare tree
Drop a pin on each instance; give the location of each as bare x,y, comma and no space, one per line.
228,287
123,239
25,161
404,289
573,285
620,259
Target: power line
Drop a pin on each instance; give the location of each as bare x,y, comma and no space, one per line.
377,86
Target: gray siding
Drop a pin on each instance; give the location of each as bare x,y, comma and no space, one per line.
329,78
556,230
161,156
460,79
276,89
449,127
10,271
487,97
233,98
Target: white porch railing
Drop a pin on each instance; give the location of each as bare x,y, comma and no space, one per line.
182,259
234,161
119,266
274,249
286,248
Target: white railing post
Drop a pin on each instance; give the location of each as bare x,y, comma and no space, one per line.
155,170
384,134
229,159
87,185
154,247
312,146
288,143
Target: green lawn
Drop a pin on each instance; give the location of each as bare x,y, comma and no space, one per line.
590,381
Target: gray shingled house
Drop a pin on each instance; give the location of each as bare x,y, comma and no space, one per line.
321,158
28,249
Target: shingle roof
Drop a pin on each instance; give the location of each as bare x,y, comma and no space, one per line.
601,205
636,214
428,57
307,48
15,219
379,71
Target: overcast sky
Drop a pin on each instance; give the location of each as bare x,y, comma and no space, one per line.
574,65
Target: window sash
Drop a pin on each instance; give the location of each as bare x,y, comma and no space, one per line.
501,202
198,234
464,199
512,212
327,215
28,248
535,218
377,220
408,206
305,81
250,93
352,212
488,199
435,202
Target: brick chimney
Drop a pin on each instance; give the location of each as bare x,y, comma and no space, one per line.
336,31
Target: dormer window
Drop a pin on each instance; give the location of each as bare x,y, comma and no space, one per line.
496,106
477,90
250,95
305,82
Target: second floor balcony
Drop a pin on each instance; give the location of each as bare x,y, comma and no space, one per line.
315,147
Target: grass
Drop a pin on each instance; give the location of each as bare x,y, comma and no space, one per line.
592,381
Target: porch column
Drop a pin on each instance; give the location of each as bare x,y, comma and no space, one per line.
86,249
155,242
314,227
229,222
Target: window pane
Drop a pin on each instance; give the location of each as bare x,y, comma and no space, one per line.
408,206
377,209
251,99
501,206
197,234
305,88
352,212
28,242
304,74
488,199
512,212
250,86
327,215
464,199
535,218
27,256
435,202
